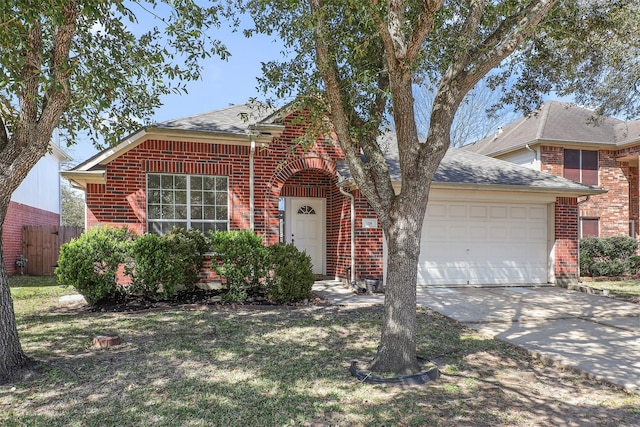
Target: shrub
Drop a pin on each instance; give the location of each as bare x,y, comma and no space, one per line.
633,264
292,274
608,256
162,264
90,262
241,261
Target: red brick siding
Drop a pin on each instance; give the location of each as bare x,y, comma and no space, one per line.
369,256
566,239
612,208
19,215
278,171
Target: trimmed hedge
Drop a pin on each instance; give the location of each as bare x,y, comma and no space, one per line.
160,266
90,262
292,274
243,259
608,256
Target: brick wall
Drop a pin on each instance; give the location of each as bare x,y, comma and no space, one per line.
566,240
17,216
612,208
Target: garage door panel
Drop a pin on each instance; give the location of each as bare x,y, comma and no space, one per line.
483,244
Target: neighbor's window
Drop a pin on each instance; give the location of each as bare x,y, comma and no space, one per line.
589,227
188,201
581,166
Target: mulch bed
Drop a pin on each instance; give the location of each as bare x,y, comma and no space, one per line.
197,297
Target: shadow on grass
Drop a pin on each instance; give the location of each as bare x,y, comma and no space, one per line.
273,367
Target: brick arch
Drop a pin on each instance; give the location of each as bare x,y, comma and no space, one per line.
278,181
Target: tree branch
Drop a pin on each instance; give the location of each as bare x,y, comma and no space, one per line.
424,27
58,93
498,48
467,33
339,116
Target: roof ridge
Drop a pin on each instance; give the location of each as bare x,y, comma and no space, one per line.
216,110
546,107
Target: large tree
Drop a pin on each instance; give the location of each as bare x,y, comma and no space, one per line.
356,61
84,65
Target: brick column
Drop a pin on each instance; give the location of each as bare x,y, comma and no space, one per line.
566,266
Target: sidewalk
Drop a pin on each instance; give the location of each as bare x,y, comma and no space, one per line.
593,334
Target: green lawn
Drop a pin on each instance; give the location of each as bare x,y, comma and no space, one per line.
627,289
244,366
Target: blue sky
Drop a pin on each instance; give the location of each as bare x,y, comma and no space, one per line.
232,81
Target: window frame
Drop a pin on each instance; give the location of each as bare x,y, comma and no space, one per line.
591,220
189,221
586,171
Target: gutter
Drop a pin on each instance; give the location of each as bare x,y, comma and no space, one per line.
352,279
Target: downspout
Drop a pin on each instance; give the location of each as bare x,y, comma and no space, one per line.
252,151
252,216
352,279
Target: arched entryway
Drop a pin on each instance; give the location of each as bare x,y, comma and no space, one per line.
307,198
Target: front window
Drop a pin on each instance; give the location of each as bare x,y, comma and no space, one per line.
581,166
187,201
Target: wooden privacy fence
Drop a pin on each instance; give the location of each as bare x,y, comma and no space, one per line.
41,246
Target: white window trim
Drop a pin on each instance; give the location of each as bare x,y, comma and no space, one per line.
188,206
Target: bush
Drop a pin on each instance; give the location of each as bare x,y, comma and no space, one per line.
162,264
292,275
608,256
241,261
633,264
90,262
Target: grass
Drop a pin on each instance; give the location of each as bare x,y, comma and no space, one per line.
278,367
627,289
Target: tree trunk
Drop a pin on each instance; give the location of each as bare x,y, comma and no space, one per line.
12,358
397,350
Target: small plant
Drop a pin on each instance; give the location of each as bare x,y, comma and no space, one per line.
292,274
241,261
90,263
163,264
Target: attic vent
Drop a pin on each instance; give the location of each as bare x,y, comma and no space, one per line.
498,132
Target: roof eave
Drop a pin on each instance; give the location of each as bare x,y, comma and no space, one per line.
557,143
565,191
149,133
80,179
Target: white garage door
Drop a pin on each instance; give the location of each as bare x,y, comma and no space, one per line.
466,243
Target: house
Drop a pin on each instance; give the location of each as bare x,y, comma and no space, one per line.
35,202
572,142
488,221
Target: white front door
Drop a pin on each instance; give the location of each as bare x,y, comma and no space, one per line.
305,228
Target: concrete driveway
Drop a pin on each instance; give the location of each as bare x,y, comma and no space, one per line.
594,334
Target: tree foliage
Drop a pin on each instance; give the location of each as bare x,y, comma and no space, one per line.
587,49
85,65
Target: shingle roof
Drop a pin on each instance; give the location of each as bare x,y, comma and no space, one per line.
461,167
558,122
232,119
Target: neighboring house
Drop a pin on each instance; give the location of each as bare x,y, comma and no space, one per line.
571,142
35,202
488,221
